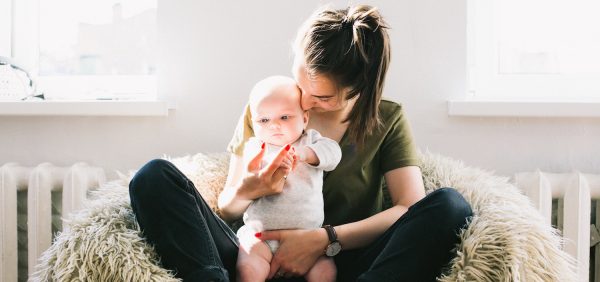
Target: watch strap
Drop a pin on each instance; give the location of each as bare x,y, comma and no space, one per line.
331,233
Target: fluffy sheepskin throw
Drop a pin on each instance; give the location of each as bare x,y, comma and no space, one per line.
506,240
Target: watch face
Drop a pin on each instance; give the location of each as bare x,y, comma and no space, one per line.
333,249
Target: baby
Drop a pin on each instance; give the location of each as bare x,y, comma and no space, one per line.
278,120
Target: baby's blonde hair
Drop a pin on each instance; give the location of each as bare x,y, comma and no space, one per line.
267,87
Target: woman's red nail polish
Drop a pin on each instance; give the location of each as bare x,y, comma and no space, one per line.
287,147
263,145
257,235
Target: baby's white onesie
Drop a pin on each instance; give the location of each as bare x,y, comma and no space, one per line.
300,205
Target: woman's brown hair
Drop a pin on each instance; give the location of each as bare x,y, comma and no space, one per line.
352,47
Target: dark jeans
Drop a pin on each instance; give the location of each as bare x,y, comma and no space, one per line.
198,246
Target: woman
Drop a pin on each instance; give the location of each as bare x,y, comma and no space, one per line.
341,59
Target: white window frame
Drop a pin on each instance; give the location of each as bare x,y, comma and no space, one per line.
20,22
488,94
5,26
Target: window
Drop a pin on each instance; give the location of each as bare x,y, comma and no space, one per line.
542,50
87,50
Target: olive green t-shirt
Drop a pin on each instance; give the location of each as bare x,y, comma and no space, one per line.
353,191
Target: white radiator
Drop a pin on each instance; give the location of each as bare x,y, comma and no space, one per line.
574,193
31,207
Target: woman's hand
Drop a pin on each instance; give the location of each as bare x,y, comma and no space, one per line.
259,182
298,250
246,182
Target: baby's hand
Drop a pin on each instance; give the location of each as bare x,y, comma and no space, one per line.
300,153
289,161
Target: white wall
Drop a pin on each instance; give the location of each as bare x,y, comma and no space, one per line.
212,52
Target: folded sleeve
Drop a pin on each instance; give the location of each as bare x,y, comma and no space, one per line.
327,150
398,148
243,132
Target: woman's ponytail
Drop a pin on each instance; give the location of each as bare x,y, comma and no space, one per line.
352,47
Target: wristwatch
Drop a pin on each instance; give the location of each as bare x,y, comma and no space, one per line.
334,246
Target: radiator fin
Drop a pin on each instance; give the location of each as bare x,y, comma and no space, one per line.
32,202
572,194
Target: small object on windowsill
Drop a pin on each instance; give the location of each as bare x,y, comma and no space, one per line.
117,96
34,97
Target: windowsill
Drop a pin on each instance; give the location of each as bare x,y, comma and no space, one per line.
84,108
470,108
